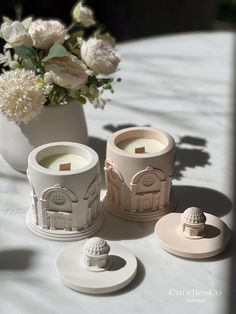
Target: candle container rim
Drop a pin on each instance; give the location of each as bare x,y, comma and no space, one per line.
34,163
112,142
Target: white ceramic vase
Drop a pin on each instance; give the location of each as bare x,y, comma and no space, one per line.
53,124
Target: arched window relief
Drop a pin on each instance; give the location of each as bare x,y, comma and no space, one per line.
148,189
59,208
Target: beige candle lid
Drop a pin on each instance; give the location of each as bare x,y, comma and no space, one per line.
213,240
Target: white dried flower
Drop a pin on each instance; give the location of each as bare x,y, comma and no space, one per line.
68,72
100,56
15,34
21,97
45,33
83,15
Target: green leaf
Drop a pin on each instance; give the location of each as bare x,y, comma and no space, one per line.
57,51
25,52
28,64
81,100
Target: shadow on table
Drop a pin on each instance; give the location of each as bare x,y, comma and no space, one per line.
113,128
17,259
140,275
209,200
118,229
190,157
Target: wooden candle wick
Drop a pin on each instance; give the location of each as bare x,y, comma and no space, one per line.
65,167
140,150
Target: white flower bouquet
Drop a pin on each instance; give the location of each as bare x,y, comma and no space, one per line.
45,64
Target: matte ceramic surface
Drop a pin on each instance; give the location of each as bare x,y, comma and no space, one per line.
121,272
193,223
63,235
57,123
65,204
172,239
139,184
95,255
144,216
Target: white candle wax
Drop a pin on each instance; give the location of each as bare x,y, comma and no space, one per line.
150,145
53,162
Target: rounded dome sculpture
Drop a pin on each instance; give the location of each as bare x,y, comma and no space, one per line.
96,247
95,252
193,222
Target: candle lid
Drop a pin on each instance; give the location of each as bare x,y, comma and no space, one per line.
96,274
194,234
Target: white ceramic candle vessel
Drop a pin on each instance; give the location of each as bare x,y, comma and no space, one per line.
138,167
66,202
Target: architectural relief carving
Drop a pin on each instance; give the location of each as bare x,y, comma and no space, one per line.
92,198
115,185
149,189
59,208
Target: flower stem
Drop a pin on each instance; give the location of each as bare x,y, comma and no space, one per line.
18,11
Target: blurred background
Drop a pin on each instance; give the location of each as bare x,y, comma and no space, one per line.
130,19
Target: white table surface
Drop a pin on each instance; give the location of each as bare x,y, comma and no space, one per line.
181,84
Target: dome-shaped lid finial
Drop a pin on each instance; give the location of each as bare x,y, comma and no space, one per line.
193,215
96,247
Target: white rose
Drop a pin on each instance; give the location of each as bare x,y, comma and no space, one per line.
68,72
45,33
15,34
100,56
83,15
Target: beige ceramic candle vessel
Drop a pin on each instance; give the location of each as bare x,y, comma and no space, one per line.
138,168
